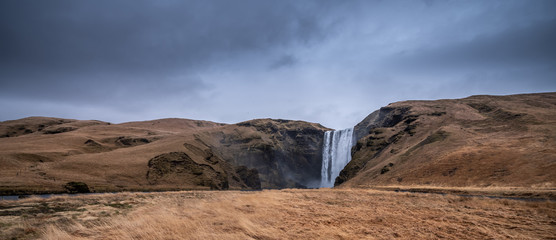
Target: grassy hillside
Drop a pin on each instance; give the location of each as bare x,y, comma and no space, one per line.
43,154
477,141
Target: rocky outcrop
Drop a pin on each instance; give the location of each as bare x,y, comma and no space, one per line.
43,125
476,141
130,141
375,133
249,176
29,125
384,117
179,169
285,153
56,130
77,187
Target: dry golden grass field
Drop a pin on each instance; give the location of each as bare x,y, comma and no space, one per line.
277,214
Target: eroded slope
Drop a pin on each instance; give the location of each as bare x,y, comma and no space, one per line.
476,141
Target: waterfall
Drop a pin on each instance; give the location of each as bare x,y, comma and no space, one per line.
336,154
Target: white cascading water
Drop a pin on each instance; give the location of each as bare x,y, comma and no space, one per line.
336,154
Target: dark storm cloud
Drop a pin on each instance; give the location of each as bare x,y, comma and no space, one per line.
515,47
331,62
79,46
132,35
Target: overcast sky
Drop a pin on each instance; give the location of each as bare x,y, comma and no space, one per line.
331,62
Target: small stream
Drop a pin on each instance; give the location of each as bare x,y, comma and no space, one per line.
50,195
19,197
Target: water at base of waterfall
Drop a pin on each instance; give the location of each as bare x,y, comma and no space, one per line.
336,154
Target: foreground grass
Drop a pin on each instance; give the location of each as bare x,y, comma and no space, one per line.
520,193
273,214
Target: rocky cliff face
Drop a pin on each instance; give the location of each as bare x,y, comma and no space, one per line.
285,153
476,141
384,117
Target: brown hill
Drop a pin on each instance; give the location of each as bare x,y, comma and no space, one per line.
476,141
43,154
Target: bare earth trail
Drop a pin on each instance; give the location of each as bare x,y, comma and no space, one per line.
277,214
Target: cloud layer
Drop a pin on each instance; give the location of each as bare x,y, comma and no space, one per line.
331,62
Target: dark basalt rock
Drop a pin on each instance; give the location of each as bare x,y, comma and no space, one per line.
249,176
482,107
58,130
129,141
386,168
92,143
178,167
77,187
384,117
30,125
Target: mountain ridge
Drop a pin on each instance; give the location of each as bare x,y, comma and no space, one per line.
480,140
